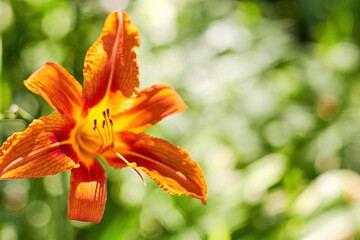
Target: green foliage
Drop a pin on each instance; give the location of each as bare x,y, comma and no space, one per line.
273,93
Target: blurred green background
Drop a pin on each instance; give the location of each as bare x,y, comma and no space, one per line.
273,89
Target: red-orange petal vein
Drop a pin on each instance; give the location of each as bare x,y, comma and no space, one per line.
87,195
110,63
42,149
150,106
170,166
57,87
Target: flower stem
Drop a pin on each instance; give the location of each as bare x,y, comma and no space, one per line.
16,112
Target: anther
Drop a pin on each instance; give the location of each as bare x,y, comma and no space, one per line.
99,134
94,124
106,135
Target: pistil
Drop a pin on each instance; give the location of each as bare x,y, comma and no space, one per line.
133,166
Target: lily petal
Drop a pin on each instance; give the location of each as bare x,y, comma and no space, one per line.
58,87
169,166
110,63
87,196
42,149
150,106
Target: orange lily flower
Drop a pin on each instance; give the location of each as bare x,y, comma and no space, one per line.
104,118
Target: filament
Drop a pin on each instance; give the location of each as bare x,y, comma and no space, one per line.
96,129
106,141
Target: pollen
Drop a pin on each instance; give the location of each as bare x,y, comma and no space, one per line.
105,132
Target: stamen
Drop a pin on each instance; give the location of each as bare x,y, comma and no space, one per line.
106,135
112,133
94,124
101,138
131,165
108,131
109,128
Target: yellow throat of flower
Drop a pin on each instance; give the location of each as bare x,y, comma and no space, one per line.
101,139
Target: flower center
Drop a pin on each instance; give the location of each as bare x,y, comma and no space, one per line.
105,132
101,140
